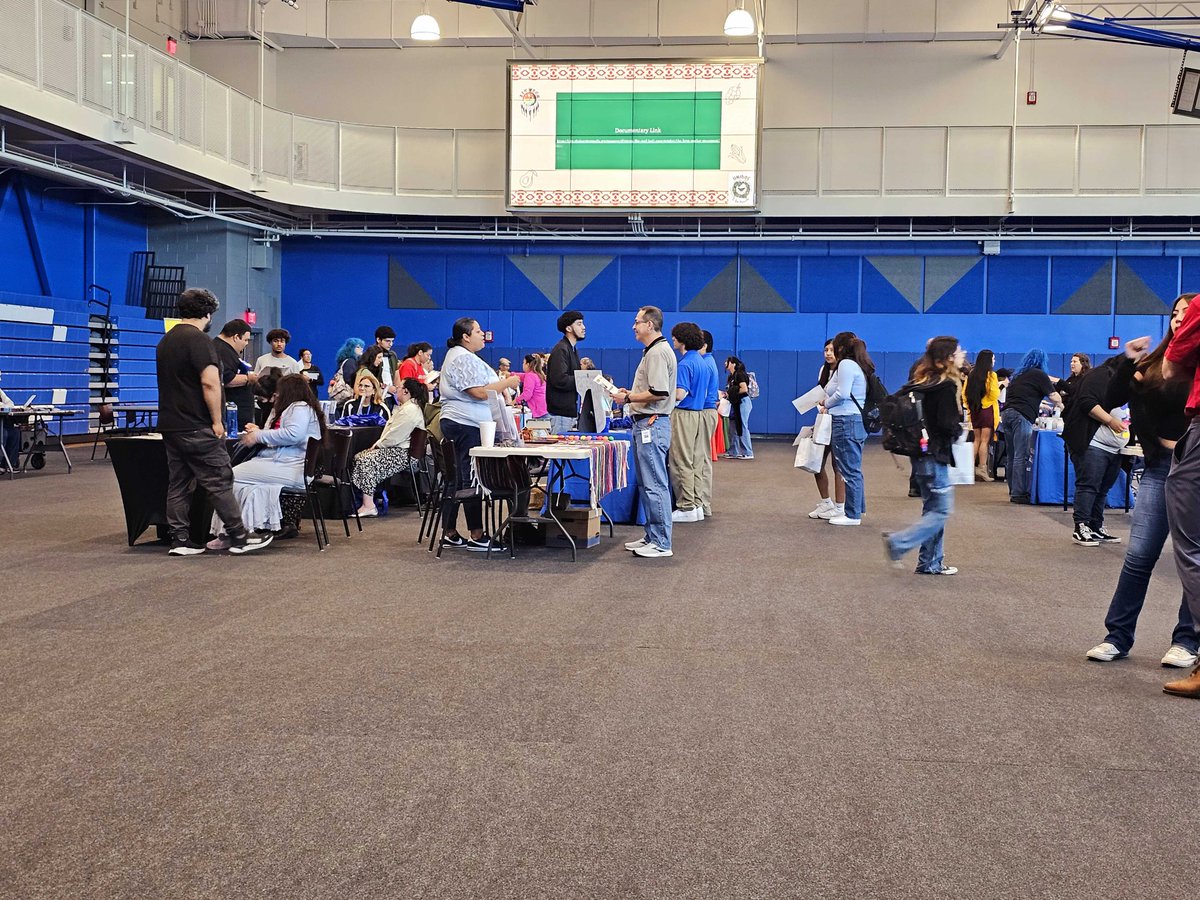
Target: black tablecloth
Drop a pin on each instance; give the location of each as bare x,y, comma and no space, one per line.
140,464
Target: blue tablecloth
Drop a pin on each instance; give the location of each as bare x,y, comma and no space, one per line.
621,506
1046,484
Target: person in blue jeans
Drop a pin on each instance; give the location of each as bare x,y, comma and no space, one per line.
938,379
1156,408
1023,399
845,395
737,391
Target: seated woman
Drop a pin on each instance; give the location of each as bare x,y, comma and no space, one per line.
389,454
257,482
368,397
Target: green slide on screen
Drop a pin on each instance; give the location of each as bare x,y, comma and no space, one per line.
633,130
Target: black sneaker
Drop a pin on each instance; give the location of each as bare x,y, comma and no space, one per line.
248,543
457,541
484,543
1104,537
186,548
1082,535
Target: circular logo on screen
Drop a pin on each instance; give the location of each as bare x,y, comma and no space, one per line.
741,189
531,102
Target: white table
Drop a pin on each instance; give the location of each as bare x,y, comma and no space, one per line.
563,452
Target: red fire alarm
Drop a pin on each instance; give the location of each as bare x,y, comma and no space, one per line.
487,337
1031,98
1114,343
172,46
251,317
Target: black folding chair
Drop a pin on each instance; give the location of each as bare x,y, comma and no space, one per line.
437,487
452,498
106,421
312,472
340,441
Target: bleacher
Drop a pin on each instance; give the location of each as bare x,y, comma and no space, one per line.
51,347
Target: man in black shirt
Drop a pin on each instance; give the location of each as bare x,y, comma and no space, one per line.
562,400
1024,397
239,383
193,429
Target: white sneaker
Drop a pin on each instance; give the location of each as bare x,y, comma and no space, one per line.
637,545
688,515
832,511
823,506
1107,652
650,551
844,520
1179,657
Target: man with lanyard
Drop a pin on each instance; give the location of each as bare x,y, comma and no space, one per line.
562,399
192,425
1182,361
651,400
712,422
239,383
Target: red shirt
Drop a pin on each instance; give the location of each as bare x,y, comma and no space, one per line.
410,368
1184,351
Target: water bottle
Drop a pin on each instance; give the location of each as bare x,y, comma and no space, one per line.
231,418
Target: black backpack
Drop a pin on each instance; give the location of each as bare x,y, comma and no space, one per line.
903,419
877,394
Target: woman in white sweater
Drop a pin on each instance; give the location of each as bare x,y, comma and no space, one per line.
389,455
294,419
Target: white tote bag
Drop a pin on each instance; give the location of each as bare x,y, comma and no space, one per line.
724,408
823,429
809,454
963,470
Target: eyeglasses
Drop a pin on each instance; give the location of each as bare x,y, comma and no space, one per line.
640,322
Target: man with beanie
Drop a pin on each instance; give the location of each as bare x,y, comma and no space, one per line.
562,400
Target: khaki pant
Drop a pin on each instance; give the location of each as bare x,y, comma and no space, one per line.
691,446
712,421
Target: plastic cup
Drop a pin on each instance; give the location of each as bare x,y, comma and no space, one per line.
487,434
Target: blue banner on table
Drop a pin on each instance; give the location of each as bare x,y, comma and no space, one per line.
1046,481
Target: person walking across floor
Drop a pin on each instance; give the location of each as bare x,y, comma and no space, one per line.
691,442
562,399
1156,408
651,400
1182,362
938,381
844,399
192,423
1023,399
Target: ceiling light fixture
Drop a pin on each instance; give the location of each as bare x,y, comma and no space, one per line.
425,27
739,23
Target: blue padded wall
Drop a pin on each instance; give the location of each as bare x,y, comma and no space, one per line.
772,303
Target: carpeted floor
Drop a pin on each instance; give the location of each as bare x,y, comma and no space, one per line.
772,713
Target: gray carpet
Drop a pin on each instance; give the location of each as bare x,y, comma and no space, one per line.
772,713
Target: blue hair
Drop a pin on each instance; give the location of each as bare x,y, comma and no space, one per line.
348,348
1034,359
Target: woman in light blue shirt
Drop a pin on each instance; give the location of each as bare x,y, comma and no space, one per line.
845,397
294,419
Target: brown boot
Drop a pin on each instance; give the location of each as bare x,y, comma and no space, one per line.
1185,687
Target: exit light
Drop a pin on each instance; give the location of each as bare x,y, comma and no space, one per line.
251,317
172,46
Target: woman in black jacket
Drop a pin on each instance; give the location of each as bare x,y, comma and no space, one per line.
1156,410
938,381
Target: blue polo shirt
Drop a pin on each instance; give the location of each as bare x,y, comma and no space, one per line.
695,377
714,393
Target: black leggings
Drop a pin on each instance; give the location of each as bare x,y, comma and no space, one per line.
465,437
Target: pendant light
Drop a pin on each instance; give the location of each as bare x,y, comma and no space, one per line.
425,27
739,23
